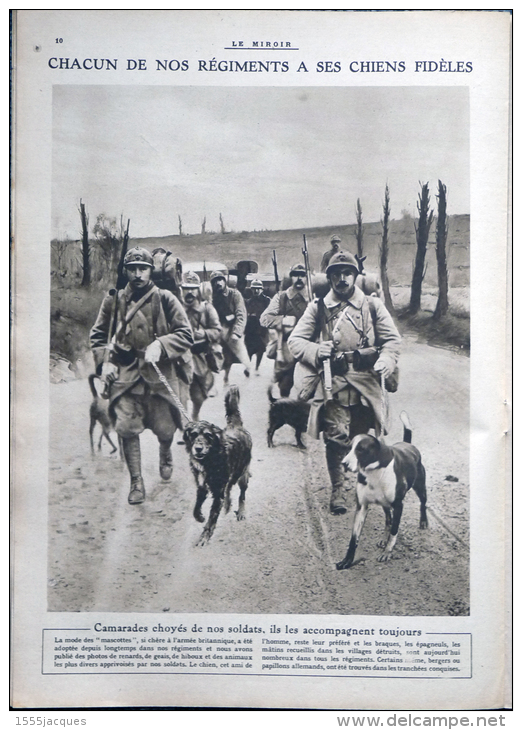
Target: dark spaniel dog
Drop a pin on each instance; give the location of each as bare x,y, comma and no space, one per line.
287,411
219,458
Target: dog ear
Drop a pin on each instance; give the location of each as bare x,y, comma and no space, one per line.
189,433
214,434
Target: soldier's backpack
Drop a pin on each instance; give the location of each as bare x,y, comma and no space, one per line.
167,271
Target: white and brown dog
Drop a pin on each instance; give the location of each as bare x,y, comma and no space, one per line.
384,476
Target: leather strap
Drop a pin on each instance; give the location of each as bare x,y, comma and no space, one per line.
132,311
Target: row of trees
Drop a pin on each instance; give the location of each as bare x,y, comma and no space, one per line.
422,232
111,236
203,225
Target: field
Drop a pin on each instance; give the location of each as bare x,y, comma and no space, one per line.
229,248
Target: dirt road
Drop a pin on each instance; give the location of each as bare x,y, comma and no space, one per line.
105,555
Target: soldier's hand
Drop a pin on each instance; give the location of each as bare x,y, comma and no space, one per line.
153,351
199,334
325,350
109,372
384,367
234,338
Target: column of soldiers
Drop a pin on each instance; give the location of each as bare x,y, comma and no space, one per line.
143,326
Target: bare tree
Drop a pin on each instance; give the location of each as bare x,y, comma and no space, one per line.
180,226
86,251
442,268
221,223
422,232
203,224
359,231
383,249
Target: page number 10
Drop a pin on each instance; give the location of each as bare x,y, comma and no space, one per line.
59,40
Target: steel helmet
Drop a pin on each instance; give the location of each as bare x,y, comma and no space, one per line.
217,275
190,280
138,257
298,270
340,260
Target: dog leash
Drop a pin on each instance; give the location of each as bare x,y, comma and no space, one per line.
177,402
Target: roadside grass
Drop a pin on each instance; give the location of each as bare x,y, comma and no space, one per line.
73,313
458,299
452,330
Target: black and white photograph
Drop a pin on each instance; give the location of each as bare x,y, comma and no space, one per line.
307,254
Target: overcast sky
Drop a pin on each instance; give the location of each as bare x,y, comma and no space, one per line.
265,157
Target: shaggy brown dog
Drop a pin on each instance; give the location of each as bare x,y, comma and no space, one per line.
287,411
99,413
219,458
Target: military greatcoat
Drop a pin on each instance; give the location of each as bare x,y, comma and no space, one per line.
160,317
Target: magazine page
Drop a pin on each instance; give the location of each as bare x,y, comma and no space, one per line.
260,370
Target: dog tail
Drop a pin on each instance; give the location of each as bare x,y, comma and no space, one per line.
233,415
92,378
270,395
406,427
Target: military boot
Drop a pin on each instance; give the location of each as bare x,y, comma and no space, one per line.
334,457
131,451
165,460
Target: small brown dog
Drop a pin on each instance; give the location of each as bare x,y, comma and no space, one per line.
287,411
99,413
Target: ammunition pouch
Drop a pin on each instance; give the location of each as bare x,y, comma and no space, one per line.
341,362
365,358
122,354
360,360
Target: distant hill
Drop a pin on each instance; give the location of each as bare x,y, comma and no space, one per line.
229,248
74,309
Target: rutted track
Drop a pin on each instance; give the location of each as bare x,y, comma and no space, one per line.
107,556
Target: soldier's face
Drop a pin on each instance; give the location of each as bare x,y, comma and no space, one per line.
218,285
298,282
343,282
256,291
138,276
190,296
